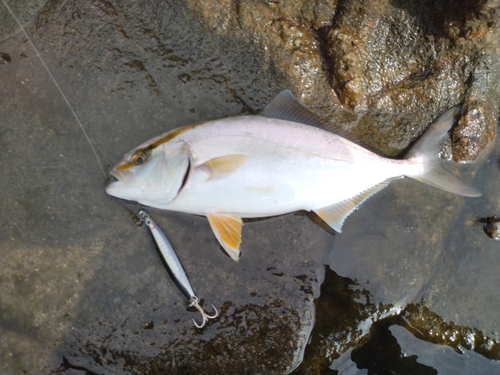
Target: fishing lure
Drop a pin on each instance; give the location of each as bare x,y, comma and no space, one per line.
175,268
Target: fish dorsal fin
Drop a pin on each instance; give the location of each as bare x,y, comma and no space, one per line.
335,214
223,165
227,229
286,107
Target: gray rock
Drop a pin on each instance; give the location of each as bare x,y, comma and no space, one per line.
82,287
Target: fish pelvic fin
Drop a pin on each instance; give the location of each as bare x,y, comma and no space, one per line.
426,152
335,214
227,230
221,166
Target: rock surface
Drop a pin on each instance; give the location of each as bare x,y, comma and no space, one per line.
82,288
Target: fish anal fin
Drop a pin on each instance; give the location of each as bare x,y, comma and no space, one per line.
227,230
335,214
223,165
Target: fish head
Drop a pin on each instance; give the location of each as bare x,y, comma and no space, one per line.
151,174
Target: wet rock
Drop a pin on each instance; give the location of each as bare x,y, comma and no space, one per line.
439,359
349,323
344,316
4,58
390,56
476,127
492,227
287,35
432,328
82,287
428,254
410,59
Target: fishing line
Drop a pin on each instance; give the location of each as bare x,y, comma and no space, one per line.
58,87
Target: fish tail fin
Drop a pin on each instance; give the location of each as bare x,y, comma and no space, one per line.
441,178
426,153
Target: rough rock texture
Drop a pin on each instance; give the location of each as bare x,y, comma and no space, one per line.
344,321
491,227
412,58
82,288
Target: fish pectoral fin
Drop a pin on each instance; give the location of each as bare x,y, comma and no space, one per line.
335,214
227,229
223,165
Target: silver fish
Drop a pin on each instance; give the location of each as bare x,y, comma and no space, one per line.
280,161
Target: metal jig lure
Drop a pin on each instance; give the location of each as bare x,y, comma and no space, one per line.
175,267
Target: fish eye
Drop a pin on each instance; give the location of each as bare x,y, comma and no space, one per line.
140,157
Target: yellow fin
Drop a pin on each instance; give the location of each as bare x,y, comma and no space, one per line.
336,214
224,164
227,229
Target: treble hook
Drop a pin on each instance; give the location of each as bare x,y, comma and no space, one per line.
195,302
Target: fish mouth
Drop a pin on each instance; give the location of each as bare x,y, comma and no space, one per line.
112,178
113,185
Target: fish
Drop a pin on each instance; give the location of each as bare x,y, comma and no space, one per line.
282,160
